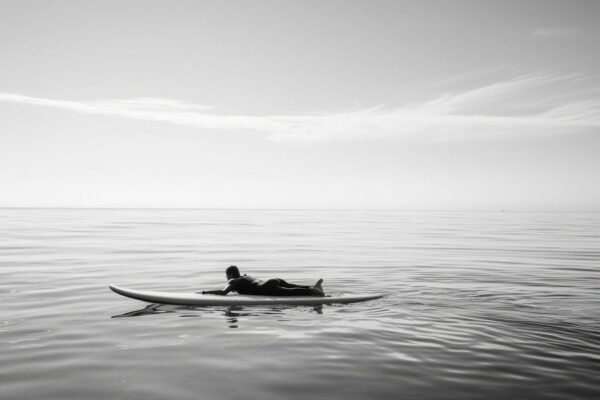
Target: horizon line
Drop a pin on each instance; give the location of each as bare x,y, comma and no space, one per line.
300,209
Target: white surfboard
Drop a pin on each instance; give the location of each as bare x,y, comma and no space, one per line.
195,299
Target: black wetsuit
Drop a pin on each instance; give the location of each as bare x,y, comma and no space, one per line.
246,285
273,287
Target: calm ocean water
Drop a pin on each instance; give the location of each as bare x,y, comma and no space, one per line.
478,305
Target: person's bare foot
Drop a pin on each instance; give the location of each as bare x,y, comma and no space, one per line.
318,289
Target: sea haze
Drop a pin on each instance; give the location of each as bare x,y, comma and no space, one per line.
477,305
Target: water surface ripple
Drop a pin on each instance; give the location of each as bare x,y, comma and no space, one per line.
477,305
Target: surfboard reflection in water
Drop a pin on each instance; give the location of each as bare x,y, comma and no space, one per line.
232,312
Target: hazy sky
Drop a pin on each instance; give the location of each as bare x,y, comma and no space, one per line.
305,104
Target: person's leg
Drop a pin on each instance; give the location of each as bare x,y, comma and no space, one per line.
272,285
285,284
270,288
284,291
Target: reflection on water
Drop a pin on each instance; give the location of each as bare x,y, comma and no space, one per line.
150,309
478,305
232,313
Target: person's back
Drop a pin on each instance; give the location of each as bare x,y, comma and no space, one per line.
245,284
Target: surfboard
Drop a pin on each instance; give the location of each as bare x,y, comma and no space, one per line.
196,299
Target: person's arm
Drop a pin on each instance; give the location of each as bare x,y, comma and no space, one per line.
223,292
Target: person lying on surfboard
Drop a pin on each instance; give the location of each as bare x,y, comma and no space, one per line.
245,284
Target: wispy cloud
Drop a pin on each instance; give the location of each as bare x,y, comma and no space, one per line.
530,104
553,33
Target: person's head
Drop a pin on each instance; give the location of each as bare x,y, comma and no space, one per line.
232,272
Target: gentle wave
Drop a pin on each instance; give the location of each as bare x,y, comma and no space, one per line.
476,305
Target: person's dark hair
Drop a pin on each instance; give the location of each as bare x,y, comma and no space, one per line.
232,272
